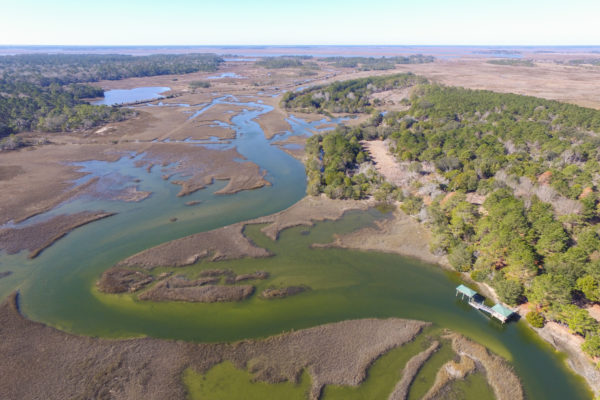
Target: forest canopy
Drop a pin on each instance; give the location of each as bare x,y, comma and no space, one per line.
48,92
352,96
508,184
376,64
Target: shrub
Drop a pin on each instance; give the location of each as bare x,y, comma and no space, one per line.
509,291
460,257
412,205
199,84
592,345
536,319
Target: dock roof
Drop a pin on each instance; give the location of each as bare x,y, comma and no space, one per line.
500,309
466,291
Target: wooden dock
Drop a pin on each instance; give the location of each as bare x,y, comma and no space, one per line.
498,311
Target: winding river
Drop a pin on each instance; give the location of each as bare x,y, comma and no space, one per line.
58,287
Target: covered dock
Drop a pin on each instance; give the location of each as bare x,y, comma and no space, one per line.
498,311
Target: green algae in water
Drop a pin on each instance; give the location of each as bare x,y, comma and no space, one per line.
345,284
473,387
225,382
382,376
426,375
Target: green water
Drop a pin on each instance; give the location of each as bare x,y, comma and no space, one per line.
426,375
225,382
383,375
58,287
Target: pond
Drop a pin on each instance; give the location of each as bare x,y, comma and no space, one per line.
126,96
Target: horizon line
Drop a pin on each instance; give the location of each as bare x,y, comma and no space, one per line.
300,45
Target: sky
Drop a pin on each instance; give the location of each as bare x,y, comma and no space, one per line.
281,22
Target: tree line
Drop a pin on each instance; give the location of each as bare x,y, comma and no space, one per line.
353,96
507,184
48,92
377,64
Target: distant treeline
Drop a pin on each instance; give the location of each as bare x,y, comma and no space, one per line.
287,62
371,63
348,96
361,63
63,69
590,61
516,62
46,92
493,51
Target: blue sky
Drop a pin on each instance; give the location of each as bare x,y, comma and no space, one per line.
199,22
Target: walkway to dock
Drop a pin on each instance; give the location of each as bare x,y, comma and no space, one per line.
498,311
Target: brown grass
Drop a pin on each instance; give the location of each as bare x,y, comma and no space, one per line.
196,292
280,293
273,122
121,280
7,172
449,372
220,244
306,212
410,370
45,178
333,354
201,166
571,84
41,362
37,237
400,234
500,375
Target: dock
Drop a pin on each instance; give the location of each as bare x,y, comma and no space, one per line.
498,311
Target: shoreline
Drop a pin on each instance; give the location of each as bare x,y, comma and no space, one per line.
333,354
38,237
384,238
402,224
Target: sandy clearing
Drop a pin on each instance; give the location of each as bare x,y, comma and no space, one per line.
385,163
391,99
